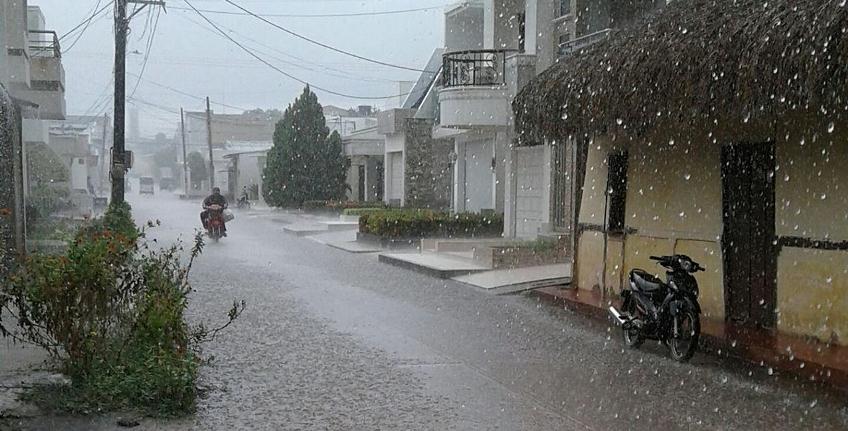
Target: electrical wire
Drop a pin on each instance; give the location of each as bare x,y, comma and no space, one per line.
327,69
147,51
272,66
87,20
96,16
328,15
186,94
313,41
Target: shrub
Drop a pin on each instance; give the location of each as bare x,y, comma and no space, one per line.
424,223
45,200
111,310
340,205
360,211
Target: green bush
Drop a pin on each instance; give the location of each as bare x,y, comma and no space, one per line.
427,223
111,310
45,200
360,211
340,205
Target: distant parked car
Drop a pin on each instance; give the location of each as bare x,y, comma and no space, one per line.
167,183
145,186
82,202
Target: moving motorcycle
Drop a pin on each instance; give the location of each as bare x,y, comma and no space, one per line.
243,202
667,311
215,223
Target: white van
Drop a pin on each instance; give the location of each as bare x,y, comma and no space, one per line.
145,186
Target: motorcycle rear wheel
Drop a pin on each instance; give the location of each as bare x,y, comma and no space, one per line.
683,347
633,337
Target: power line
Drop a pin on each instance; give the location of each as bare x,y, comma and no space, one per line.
370,60
97,15
327,69
254,55
147,51
184,93
325,15
86,22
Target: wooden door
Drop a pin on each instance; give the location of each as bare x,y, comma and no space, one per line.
748,240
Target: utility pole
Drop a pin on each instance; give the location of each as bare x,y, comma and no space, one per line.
185,159
209,141
121,160
119,168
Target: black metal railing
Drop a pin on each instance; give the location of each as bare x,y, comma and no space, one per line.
474,68
583,42
44,43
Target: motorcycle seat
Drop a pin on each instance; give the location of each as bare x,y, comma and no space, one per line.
645,281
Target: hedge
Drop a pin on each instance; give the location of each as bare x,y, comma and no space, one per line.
426,223
360,211
340,205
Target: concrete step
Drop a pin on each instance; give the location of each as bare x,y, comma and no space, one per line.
505,281
359,247
349,218
435,265
337,225
305,229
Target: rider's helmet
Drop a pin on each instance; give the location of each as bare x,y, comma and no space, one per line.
216,190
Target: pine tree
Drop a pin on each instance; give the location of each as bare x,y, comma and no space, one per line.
306,161
197,167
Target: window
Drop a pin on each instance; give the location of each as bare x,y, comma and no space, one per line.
563,45
522,31
616,192
564,7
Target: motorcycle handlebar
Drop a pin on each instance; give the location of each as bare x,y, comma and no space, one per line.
656,258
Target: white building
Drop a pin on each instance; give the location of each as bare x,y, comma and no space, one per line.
32,72
365,149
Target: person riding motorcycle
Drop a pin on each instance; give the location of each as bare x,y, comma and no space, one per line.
244,200
216,198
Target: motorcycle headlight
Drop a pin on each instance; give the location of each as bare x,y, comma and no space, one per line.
686,265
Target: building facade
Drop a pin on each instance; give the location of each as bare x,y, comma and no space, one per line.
746,181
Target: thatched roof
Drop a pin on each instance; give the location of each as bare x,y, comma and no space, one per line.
697,60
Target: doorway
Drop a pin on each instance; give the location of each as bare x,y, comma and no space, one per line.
748,240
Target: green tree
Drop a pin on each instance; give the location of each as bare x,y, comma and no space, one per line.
306,162
197,168
166,158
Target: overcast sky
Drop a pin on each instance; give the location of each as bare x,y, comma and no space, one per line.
188,55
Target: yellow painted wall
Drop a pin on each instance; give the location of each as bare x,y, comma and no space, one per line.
590,252
812,187
674,190
673,202
813,293
675,214
595,183
812,202
711,281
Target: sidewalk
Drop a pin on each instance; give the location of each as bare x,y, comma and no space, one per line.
806,358
21,367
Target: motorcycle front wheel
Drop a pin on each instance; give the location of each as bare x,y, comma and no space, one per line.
682,347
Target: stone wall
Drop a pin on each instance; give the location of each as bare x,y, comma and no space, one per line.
428,170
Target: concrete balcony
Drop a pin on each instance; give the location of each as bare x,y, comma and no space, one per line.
35,131
47,75
393,121
475,91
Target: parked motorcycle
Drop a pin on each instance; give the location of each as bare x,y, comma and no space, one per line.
667,311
